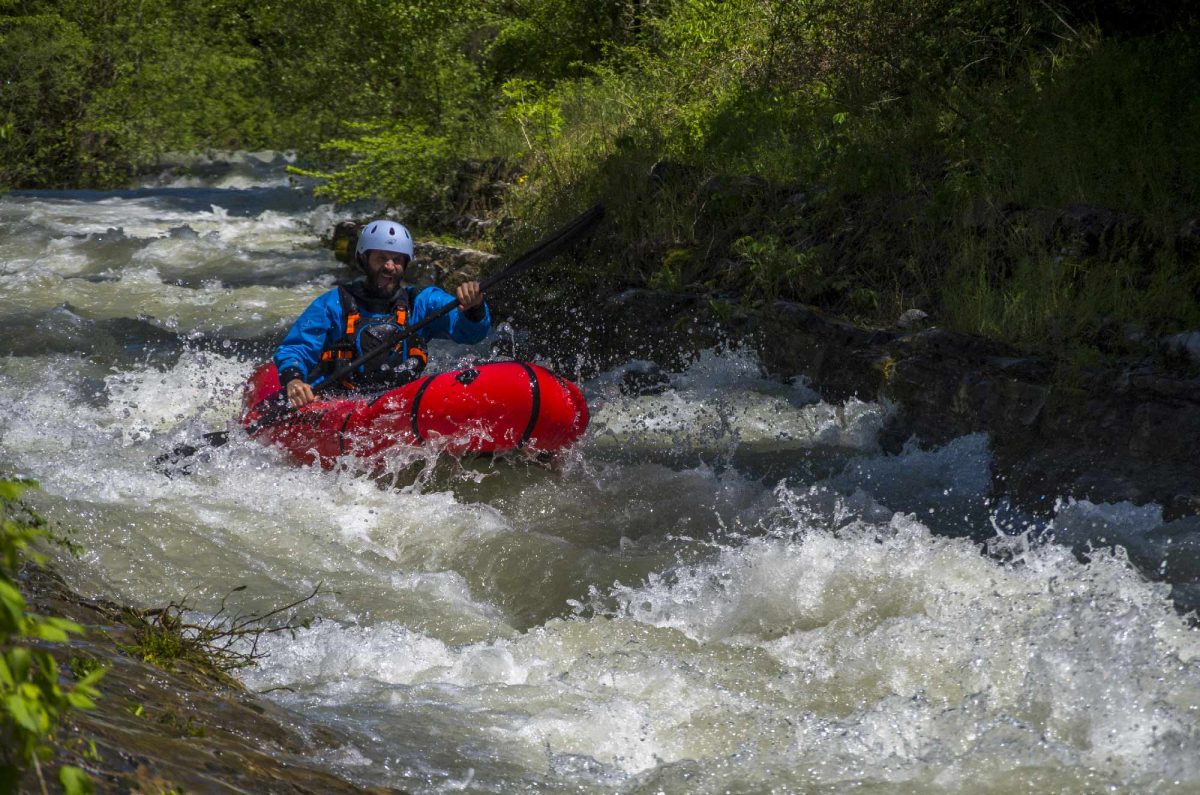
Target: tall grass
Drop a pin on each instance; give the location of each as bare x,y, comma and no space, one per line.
948,199
1116,127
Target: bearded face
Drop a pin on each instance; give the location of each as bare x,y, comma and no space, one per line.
385,269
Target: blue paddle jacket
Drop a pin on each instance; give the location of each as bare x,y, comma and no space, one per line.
322,325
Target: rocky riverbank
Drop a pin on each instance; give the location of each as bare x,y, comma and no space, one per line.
180,727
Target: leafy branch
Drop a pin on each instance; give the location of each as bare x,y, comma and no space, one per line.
221,643
32,700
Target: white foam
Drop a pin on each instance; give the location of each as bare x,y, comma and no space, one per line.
877,644
723,402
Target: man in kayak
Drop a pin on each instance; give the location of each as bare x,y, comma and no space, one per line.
354,318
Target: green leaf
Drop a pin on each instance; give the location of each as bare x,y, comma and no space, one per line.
11,490
74,780
79,700
57,629
19,661
19,707
92,678
45,670
10,595
49,632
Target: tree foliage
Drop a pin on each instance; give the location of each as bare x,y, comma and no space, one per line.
899,115
91,90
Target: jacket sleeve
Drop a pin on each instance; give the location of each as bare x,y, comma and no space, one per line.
454,326
319,325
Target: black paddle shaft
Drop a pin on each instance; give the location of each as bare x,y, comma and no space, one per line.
280,408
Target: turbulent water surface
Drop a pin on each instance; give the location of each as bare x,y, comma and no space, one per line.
725,587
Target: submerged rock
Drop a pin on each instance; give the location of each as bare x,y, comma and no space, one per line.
644,378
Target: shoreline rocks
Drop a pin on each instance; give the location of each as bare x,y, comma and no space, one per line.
159,730
1111,433
1122,431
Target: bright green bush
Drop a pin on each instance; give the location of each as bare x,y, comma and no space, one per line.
91,90
403,165
33,700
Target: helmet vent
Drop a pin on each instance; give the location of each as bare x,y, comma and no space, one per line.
392,231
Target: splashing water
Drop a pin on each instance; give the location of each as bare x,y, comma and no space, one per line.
725,587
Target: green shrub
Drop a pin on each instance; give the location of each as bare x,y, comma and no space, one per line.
403,165
778,270
32,699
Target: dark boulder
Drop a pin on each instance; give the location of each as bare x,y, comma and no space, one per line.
1112,435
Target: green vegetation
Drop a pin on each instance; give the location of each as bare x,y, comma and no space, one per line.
1026,170
172,637
33,700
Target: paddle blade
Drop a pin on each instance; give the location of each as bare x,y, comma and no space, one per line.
178,460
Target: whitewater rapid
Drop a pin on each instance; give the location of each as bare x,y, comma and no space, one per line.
726,586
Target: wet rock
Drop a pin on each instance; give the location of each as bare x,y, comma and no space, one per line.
1112,436
159,730
584,329
469,227
844,359
116,233
446,266
1186,597
1176,545
912,320
1184,346
344,240
1181,505
644,378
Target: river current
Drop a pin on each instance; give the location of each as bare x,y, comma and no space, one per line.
726,587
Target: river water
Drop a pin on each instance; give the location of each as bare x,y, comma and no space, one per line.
726,587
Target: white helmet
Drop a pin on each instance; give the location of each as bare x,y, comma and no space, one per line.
382,235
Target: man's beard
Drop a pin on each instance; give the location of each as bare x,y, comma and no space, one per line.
383,286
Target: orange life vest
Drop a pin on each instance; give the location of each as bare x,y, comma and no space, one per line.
363,332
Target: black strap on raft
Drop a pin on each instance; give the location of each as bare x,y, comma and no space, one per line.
535,399
416,408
